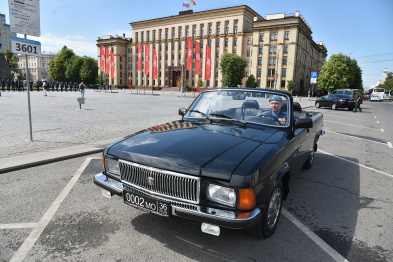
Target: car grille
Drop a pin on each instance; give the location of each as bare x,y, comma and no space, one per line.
161,182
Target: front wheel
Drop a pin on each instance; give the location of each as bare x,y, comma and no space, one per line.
270,216
334,106
317,105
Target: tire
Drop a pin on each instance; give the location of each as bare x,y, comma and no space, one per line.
317,105
270,216
334,106
309,162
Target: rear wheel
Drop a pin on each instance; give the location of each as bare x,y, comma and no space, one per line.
309,162
350,108
270,216
334,106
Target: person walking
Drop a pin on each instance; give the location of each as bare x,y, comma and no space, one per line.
44,87
358,101
82,88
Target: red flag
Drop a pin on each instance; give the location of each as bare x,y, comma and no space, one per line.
189,54
198,69
112,65
155,67
107,61
5,58
139,56
147,54
208,65
102,60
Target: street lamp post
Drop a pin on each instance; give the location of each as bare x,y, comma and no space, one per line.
276,73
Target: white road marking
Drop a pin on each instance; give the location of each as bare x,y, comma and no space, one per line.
317,240
382,130
389,144
352,118
18,225
352,162
357,137
352,125
40,226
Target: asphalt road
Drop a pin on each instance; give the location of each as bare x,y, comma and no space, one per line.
340,209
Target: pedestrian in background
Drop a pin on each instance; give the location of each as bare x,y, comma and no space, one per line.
44,87
82,88
358,101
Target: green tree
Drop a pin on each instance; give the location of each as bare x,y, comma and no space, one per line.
340,71
11,59
200,84
232,68
57,67
251,82
290,85
89,70
73,67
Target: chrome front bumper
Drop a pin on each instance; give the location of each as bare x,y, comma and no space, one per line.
213,216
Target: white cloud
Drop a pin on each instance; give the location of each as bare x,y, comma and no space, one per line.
79,44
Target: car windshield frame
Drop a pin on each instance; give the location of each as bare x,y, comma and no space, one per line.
241,106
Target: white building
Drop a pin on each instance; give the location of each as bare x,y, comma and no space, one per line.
38,66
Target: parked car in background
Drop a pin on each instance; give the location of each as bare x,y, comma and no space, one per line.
335,101
350,92
227,163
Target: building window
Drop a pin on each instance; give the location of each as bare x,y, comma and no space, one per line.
215,83
282,83
209,43
180,33
173,33
271,72
248,63
284,72
247,73
210,30
248,52
226,28
259,60
285,60
274,60
261,50
259,72
218,43
286,35
235,42
270,83
275,49
202,30
194,32
226,42
218,29
261,36
234,51
249,41
217,54
236,25
271,49
285,48
216,74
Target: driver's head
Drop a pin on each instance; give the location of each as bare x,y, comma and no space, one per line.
275,104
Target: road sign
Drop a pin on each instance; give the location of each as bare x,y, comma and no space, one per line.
25,17
276,76
313,77
25,46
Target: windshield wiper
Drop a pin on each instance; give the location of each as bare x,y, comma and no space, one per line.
203,114
229,118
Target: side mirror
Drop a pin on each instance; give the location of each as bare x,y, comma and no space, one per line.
303,123
182,111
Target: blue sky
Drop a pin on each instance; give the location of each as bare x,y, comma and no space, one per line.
361,28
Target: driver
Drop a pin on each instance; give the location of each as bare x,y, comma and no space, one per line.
275,110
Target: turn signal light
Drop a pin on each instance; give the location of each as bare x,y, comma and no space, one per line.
246,199
103,163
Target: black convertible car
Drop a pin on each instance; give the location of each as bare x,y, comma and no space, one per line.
335,101
226,163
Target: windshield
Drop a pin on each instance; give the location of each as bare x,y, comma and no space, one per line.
245,106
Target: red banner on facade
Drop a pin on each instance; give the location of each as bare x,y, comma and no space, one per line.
112,66
102,58
208,66
107,61
198,69
139,56
147,64
189,54
155,66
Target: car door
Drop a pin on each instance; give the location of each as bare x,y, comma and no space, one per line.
330,100
323,101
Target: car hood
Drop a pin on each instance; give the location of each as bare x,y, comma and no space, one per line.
209,150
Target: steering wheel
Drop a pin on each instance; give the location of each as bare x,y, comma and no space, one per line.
274,118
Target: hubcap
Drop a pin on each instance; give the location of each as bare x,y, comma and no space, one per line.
274,208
